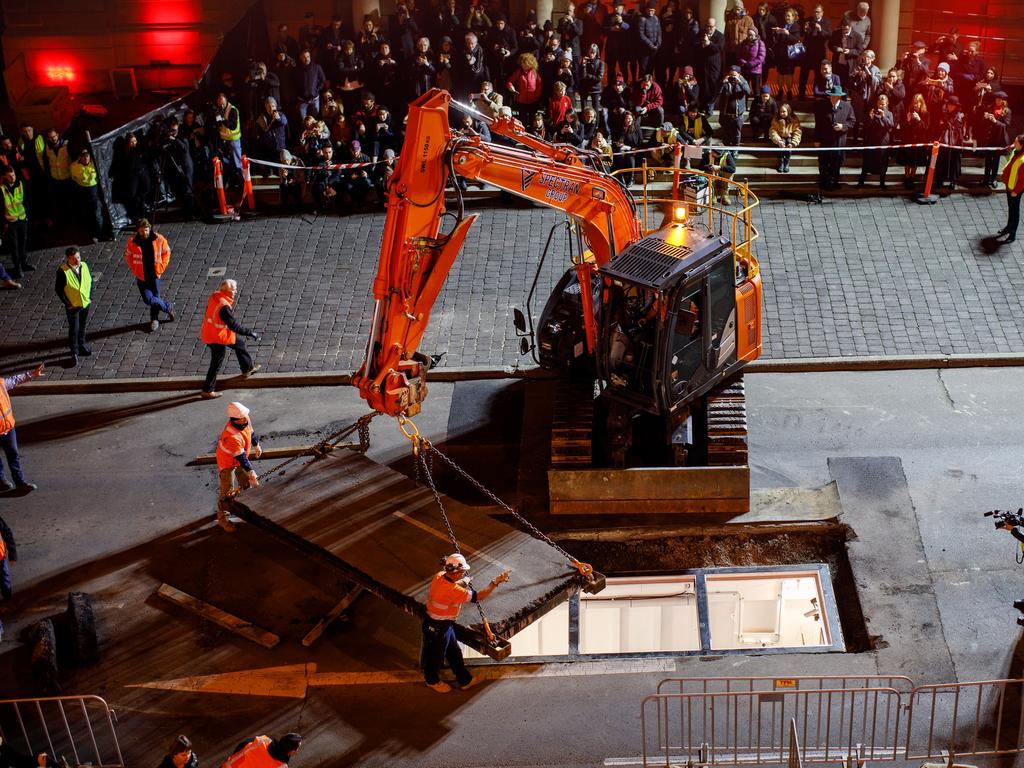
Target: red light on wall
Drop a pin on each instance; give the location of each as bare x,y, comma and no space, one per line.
59,74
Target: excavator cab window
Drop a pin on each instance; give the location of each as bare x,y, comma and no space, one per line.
687,344
633,339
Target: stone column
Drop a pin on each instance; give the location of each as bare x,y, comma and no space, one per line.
544,9
885,32
714,9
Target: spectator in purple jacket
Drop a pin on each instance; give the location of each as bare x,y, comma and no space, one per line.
750,55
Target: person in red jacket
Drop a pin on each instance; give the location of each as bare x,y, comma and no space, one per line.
525,86
1013,178
148,255
221,330
649,101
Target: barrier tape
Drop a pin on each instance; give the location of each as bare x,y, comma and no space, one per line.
811,150
332,166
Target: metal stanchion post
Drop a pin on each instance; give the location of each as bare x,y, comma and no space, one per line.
926,197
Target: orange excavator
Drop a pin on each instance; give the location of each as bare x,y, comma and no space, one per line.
658,320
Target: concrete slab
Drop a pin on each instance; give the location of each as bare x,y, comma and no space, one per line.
387,534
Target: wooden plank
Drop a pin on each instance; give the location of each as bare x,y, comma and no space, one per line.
286,452
667,484
347,599
241,627
648,507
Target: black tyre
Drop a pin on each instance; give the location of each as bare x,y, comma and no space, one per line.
82,630
44,657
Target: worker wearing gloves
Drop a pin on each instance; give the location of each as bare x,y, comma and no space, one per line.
449,590
221,330
233,464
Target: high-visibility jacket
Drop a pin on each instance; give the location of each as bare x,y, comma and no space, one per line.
255,754
214,331
78,288
84,175
161,256
58,162
446,597
6,412
233,441
1013,173
38,147
14,202
230,134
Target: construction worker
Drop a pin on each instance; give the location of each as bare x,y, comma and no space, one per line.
74,289
58,164
8,436
87,192
264,752
229,129
236,440
722,165
13,190
221,330
148,255
449,590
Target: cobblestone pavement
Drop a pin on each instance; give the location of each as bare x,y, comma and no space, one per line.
849,277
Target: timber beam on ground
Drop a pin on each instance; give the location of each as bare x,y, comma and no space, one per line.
285,452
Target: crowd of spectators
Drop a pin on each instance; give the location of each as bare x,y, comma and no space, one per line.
604,78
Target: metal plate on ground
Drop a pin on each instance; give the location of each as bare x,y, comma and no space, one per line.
385,533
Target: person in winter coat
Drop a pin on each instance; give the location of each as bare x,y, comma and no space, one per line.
787,132
992,129
751,55
690,36
626,138
783,39
525,86
469,68
221,330
879,128
309,81
271,132
500,50
148,254
649,102
914,129
1013,178
570,32
832,126
708,64
951,130
732,106
616,48
617,101
649,38
865,81
592,71
892,87
180,755
665,63
736,28
817,31
763,111
559,106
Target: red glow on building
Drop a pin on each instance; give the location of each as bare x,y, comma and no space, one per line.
60,74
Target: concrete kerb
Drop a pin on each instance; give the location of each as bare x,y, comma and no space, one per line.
480,373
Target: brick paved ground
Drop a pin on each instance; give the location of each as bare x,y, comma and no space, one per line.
851,277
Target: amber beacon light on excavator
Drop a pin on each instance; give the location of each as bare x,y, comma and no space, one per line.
648,328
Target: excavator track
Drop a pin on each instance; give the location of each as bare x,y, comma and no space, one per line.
572,425
727,424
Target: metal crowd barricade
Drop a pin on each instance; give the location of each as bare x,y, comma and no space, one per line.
733,728
977,719
79,729
734,721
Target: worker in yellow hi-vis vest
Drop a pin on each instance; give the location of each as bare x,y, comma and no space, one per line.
74,289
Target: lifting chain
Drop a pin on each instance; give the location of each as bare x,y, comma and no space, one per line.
421,446
325,446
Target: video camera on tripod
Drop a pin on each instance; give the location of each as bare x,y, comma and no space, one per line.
1002,518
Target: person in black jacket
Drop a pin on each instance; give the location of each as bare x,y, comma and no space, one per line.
648,37
326,182
879,127
591,77
180,755
817,31
570,30
708,63
834,122
309,81
617,42
218,351
500,50
8,555
129,172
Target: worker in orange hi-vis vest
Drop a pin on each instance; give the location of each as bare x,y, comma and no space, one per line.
233,447
264,752
449,591
9,436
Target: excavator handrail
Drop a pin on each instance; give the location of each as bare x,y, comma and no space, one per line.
742,232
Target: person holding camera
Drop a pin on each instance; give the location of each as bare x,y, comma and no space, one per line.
732,107
992,129
879,128
592,71
817,31
916,67
500,48
271,132
707,64
865,80
617,42
649,101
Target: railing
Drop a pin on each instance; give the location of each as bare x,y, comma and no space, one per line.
751,728
77,728
758,720
736,225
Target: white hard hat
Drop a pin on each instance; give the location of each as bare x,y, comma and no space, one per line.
237,411
455,562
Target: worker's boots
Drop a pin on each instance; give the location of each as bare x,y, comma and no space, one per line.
224,522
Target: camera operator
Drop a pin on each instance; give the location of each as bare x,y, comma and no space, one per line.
916,67
261,85
732,106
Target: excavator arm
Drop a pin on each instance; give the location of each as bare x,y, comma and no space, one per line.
416,259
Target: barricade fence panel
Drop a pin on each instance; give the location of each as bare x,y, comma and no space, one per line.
748,720
78,729
751,727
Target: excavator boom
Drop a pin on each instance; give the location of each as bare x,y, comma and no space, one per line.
416,258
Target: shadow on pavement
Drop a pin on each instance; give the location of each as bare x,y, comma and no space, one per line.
10,350
83,422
